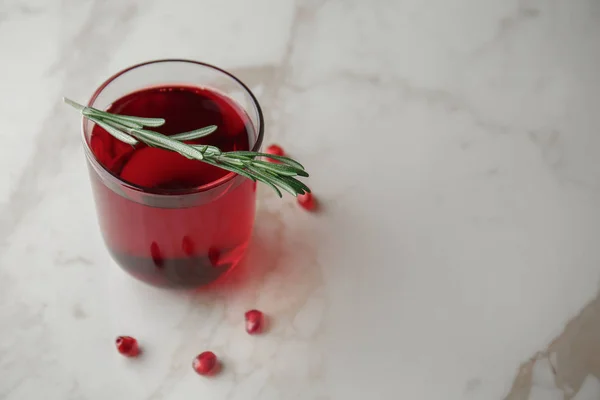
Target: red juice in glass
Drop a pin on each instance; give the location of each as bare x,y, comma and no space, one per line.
168,220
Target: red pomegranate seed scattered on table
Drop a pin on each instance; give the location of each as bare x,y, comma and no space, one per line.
254,322
127,346
205,363
307,201
275,150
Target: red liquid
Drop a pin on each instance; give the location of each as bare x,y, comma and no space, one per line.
181,241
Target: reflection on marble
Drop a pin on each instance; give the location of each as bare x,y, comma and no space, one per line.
452,144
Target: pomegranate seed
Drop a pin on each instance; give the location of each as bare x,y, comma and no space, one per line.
127,346
156,256
254,321
205,363
307,201
213,256
187,246
275,150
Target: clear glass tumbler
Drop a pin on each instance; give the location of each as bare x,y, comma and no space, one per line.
175,237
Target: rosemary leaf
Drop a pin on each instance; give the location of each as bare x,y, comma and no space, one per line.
230,161
283,159
195,134
231,169
297,184
273,179
207,150
124,119
123,137
91,112
117,125
73,104
261,178
151,122
280,169
168,143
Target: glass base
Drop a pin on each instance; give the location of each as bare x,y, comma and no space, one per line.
181,273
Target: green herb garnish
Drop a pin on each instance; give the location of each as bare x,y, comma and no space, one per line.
131,130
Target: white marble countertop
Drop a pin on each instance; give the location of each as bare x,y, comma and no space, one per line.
455,279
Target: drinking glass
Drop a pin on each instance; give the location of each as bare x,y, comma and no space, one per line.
182,238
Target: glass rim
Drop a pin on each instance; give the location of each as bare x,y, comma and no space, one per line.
170,192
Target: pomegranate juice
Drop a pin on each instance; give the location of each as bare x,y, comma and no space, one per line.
175,243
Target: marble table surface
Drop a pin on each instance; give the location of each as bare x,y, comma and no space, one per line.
454,147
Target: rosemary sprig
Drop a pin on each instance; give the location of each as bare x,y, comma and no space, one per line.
132,130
